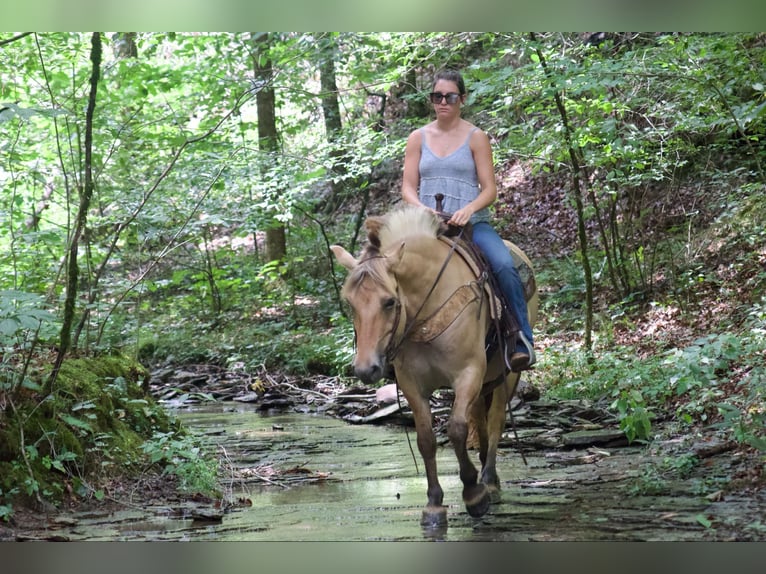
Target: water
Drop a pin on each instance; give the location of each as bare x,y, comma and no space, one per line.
373,491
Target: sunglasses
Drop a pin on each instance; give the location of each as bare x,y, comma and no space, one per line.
437,97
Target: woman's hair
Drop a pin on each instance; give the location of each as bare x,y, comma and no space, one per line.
450,75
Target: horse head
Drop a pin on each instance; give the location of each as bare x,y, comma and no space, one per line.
371,292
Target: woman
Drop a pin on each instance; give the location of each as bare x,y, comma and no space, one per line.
453,157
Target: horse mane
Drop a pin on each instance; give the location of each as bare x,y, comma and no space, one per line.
404,222
384,232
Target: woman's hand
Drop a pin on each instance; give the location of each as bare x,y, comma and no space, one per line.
461,216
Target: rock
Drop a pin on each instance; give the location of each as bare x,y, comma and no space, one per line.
387,394
377,415
526,391
247,398
207,514
582,438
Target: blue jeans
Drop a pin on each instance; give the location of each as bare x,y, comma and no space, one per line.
504,269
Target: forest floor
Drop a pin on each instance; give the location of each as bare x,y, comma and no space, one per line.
683,485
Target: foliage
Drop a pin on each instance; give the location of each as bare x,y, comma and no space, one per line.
744,414
90,427
656,479
183,457
692,380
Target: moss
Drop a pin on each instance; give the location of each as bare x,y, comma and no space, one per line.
94,422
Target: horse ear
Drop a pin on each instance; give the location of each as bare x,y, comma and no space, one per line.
373,225
344,257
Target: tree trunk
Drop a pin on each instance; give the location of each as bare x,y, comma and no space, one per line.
332,121
330,105
124,47
86,194
417,107
268,138
574,157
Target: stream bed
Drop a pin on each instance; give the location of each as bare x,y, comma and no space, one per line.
361,483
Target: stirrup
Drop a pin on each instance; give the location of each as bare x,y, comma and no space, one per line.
530,349
530,360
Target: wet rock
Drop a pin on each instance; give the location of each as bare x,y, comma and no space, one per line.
606,437
207,514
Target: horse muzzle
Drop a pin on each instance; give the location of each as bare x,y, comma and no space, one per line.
370,373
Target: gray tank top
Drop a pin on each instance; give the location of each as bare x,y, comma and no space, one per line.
454,176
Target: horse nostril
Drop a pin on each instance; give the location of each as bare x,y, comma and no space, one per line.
370,374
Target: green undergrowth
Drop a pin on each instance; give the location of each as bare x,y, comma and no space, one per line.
297,348
717,380
96,423
715,376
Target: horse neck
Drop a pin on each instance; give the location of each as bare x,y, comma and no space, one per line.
428,274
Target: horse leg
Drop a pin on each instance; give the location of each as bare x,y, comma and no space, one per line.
475,494
434,514
495,427
477,427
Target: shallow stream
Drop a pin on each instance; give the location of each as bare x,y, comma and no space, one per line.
361,483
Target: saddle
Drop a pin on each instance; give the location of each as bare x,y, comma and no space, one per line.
506,326
485,288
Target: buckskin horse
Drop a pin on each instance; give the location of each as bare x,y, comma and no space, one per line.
421,308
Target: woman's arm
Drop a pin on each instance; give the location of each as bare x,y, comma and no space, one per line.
411,176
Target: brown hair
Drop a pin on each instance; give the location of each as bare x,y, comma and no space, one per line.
450,75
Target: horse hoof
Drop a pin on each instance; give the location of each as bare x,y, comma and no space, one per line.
494,494
477,502
434,517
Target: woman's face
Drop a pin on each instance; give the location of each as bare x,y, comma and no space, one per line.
441,107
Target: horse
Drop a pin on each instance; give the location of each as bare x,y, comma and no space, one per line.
420,308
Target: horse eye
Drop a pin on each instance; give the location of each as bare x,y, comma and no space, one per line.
389,303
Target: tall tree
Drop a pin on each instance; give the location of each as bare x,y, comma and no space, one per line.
124,47
332,121
86,193
268,137
575,157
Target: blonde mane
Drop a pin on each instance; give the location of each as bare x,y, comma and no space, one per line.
384,232
408,221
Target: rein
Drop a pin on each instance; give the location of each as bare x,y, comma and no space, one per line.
393,347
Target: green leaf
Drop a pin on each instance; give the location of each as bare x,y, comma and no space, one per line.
83,405
9,326
31,385
756,442
703,520
75,422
